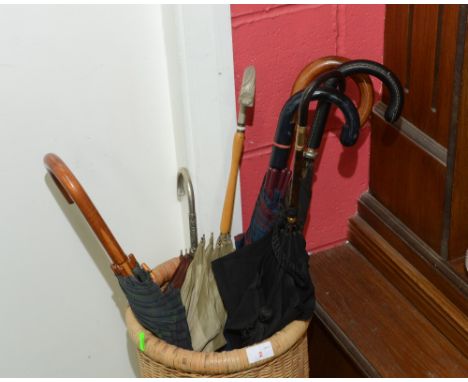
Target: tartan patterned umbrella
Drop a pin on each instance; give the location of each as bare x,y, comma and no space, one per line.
162,313
267,207
276,180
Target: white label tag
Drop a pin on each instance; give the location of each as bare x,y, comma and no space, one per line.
258,352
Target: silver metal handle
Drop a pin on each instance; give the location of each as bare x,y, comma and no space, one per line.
184,187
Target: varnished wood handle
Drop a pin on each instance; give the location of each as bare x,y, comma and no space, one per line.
237,148
74,193
322,65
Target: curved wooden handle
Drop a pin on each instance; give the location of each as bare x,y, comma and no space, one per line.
74,193
324,64
226,219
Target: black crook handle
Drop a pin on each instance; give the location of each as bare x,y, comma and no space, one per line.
390,80
284,133
349,111
308,92
348,136
285,129
350,131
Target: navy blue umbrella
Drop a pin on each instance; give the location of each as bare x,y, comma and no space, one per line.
162,313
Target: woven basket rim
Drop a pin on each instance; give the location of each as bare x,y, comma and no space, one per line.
208,362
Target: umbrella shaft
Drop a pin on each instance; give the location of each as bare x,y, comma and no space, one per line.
226,219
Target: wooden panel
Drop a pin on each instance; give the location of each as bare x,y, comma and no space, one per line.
397,20
408,181
434,305
419,81
420,46
458,237
458,266
396,339
326,358
416,251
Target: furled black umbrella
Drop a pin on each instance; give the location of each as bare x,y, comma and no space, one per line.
162,313
266,284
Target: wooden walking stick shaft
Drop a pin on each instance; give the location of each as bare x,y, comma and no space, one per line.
237,147
74,193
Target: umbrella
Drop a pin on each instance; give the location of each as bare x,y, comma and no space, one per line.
205,311
277,177
161,313
266,284
185,187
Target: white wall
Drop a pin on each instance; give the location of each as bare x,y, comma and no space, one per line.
201,73
91,83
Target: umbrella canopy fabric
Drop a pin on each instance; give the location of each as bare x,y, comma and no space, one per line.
267,207
181,271
161,313
194,271
205,311
264,286
276,180
210,294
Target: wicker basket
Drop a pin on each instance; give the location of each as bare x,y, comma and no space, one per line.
161,359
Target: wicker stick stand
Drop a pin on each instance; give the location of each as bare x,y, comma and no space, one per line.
160,359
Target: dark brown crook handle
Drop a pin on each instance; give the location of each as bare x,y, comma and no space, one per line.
74,193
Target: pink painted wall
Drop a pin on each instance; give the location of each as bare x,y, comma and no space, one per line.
280,40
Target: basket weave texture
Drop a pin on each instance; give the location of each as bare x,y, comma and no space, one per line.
161,359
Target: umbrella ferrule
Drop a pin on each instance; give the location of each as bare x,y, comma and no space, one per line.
310,153
300,137
240,127
291,219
